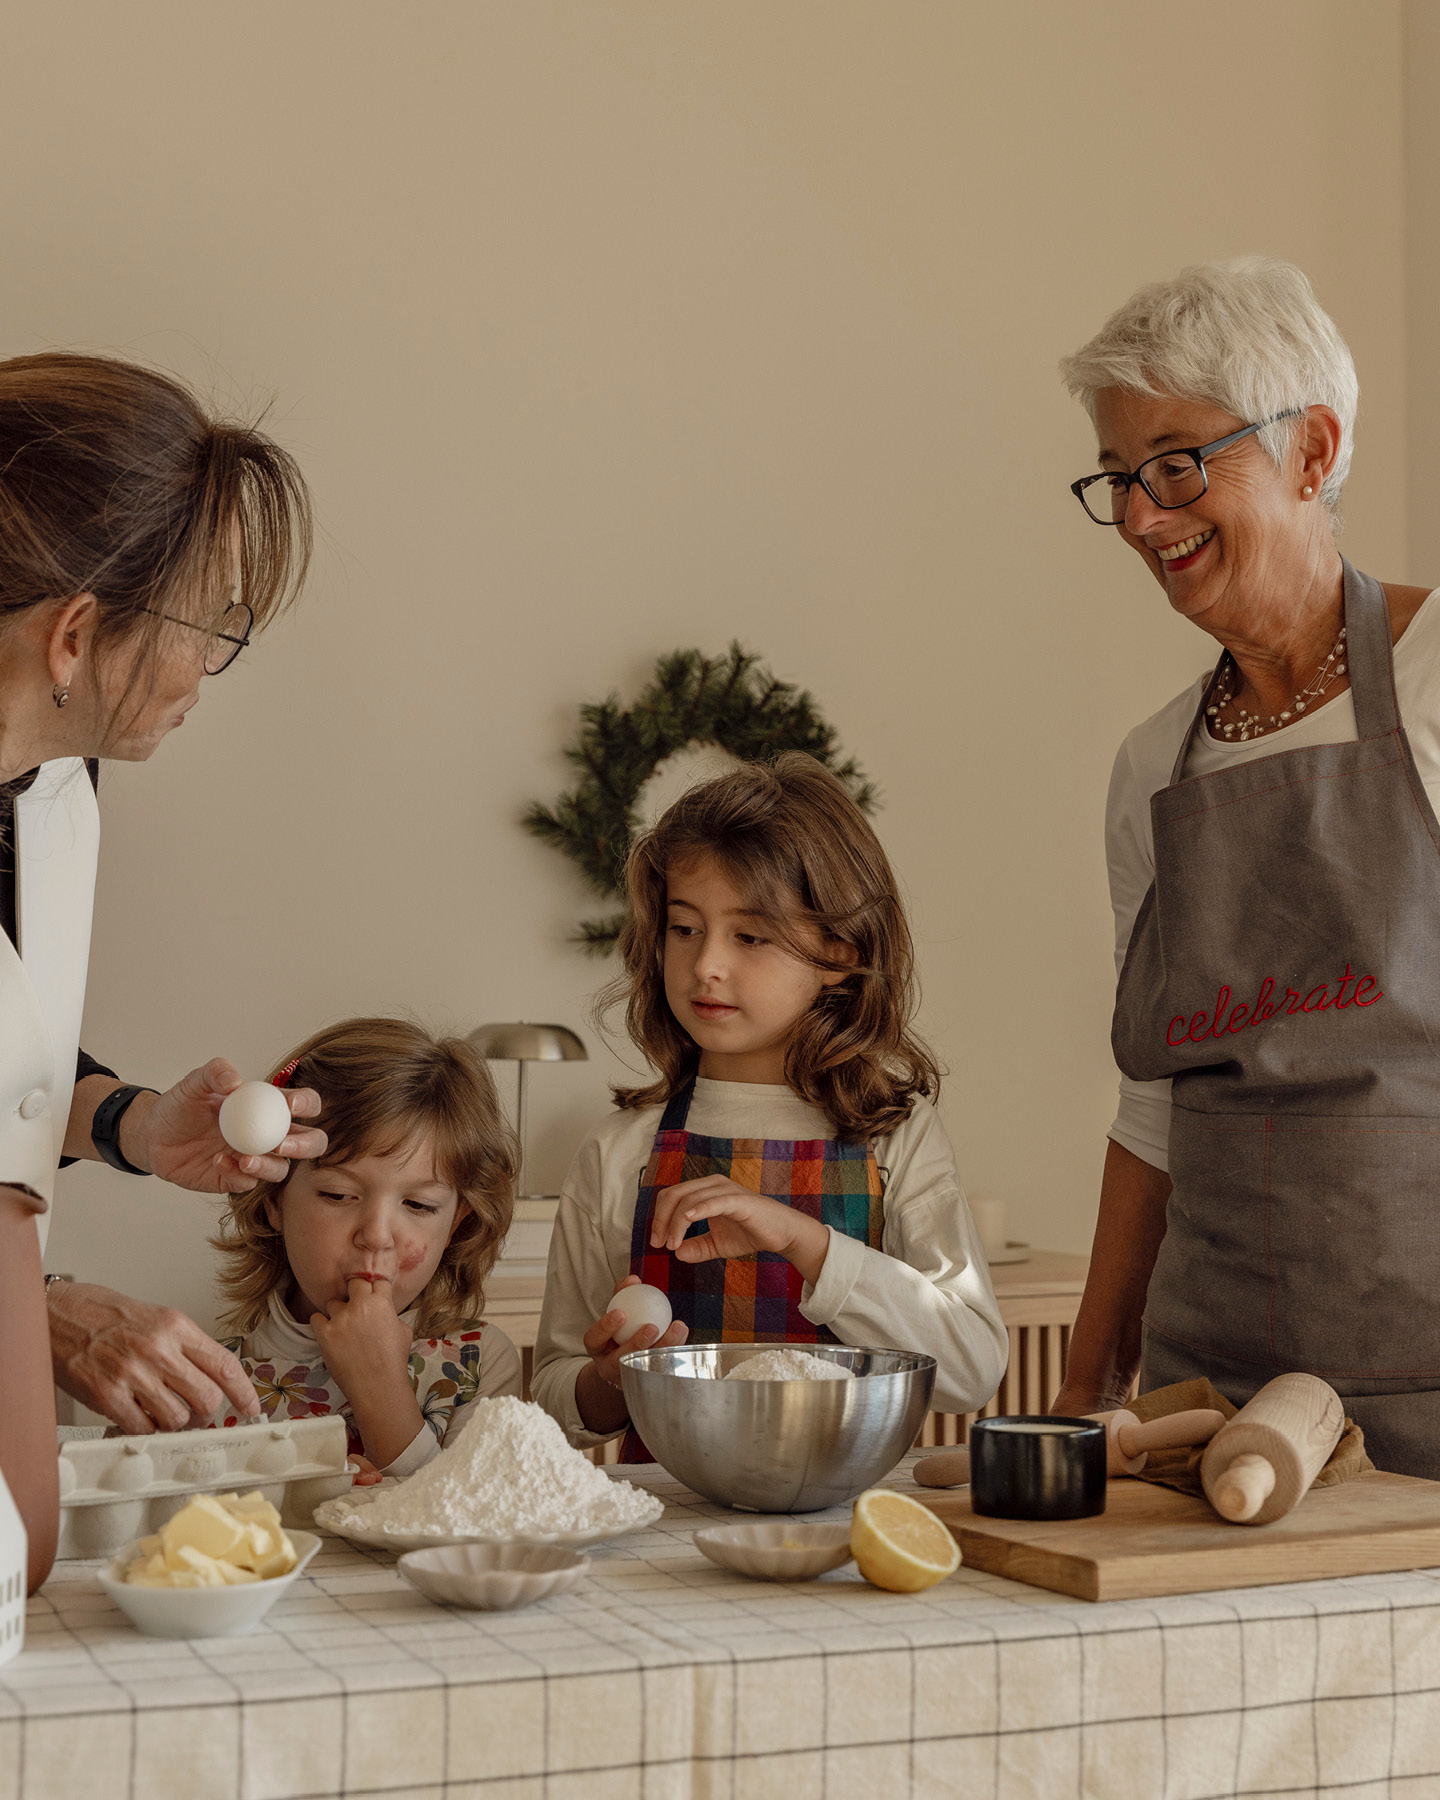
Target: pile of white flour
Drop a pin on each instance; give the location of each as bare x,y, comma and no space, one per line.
786,1364
509,1473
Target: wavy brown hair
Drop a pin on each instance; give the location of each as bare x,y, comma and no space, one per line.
115,481
803,856
384,1085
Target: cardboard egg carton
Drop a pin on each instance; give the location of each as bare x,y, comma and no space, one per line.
116,1489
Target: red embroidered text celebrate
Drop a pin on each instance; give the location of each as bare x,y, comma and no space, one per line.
1244,1015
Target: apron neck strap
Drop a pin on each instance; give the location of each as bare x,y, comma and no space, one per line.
1368,656
1368,661
677,1108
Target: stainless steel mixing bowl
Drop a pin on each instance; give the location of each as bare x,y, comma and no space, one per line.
776,1446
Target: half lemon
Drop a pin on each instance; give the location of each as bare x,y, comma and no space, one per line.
899,1544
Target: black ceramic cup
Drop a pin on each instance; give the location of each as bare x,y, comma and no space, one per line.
1037,1466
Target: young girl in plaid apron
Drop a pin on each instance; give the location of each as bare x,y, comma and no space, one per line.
356,1285
784,1178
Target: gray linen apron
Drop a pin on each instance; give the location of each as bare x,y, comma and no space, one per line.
1284,972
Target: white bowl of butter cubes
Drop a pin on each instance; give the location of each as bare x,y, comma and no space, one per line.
214,1569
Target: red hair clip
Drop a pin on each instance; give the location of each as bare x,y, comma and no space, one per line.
283,1077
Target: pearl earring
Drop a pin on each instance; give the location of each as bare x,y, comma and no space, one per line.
60,695
1307,492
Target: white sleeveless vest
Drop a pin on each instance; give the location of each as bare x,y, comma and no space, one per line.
42,988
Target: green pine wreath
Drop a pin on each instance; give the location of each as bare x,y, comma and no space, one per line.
731,701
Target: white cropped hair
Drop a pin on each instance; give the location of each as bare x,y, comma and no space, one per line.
1246,335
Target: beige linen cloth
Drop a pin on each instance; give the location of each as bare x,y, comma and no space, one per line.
1180,1469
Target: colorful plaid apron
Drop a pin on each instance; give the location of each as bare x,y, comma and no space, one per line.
750,1299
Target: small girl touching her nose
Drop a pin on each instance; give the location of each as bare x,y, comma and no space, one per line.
356,1285
784,1178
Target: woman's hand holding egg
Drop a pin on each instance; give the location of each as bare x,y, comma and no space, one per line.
255,1118
740,1223
177,1134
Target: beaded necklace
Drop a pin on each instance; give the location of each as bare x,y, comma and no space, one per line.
1250,725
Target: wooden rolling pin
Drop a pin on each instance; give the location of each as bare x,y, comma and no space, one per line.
1128,1442
950,1469
1262,1463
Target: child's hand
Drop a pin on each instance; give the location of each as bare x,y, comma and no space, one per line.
366,1474
606,1349
740,1224
366,1346
363,1340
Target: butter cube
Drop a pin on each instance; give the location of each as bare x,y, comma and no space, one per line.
189,1561
254,1543
202,1524
253,1506
215,1540
271,1550
148,1571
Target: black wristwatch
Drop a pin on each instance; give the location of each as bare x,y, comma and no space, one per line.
105,1128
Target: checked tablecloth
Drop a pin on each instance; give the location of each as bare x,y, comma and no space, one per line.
661,1677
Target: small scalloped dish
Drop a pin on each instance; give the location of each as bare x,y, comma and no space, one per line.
492,1577
776,1549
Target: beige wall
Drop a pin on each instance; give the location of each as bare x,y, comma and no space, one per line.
603,328
1421,54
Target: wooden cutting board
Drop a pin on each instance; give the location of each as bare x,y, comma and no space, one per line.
1150,1540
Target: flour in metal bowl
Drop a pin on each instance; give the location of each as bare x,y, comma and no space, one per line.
789,1364
509,1474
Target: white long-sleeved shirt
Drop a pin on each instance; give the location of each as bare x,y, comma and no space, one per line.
927,1290
1144,763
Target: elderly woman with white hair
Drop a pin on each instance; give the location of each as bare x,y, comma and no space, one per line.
1271,1197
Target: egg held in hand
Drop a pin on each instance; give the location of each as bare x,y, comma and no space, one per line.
255,1119
642,1305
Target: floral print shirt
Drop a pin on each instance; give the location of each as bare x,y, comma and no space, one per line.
283,1360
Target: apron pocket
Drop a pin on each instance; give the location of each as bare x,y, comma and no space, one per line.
1304,1242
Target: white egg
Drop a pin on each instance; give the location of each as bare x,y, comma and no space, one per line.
255,1119
641,1305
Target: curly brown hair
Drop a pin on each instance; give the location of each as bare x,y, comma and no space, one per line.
794,843
383,1084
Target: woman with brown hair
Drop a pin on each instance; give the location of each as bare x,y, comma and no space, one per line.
142,543
783,1177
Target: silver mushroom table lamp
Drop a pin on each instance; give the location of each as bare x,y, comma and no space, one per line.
523,1043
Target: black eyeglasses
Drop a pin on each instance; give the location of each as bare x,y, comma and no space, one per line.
225,644
1173,479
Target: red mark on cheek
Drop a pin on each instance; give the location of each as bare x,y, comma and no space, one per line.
411,1258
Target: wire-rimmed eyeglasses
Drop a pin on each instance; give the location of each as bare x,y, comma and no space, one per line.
228,637
1173,479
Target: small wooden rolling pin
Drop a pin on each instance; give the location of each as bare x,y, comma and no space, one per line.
1262,1463
1128,1442
950,1469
